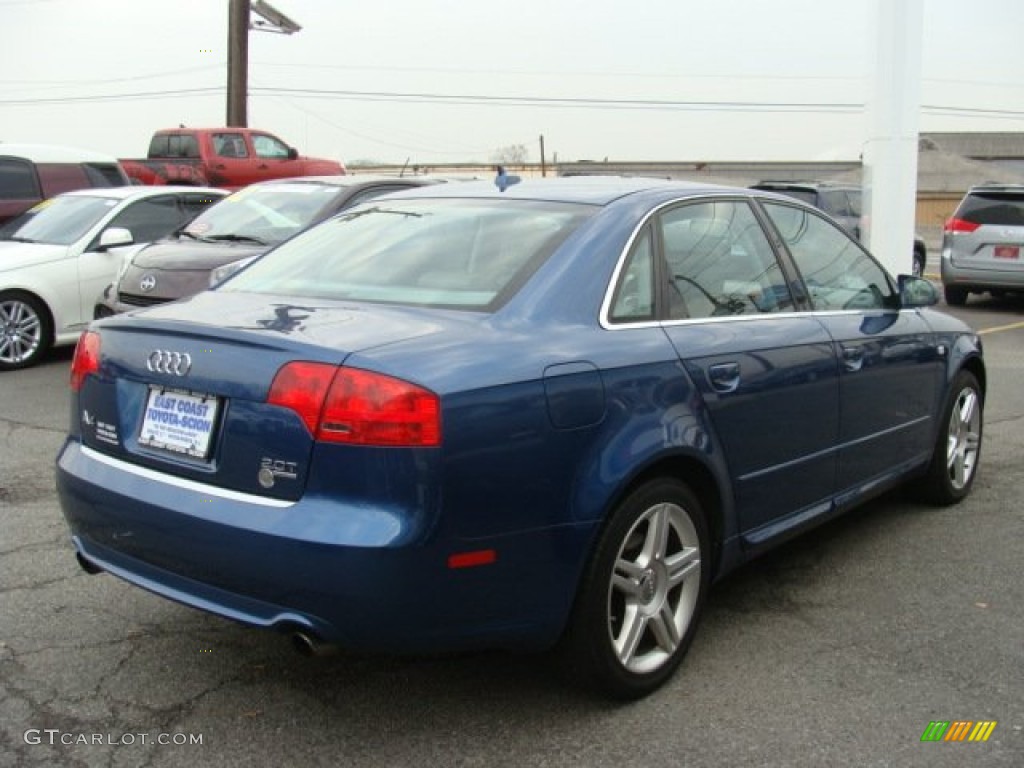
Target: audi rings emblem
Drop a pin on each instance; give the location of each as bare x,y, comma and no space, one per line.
148,283
165,361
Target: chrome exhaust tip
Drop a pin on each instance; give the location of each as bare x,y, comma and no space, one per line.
307,645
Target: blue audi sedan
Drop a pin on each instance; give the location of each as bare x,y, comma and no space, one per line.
551,414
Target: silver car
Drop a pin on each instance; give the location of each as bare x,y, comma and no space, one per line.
982,243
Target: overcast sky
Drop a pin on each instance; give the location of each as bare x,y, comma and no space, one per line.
454,80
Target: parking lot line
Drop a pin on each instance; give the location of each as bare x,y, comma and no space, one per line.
998,328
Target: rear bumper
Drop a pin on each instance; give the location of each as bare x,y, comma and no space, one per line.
283,565
982,277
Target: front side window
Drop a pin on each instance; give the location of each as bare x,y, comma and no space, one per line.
464,254
268,146
150,219
837,272
720,262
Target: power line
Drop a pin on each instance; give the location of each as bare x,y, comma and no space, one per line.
801,107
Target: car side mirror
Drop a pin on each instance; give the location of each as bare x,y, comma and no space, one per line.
917,292
114,237
293,153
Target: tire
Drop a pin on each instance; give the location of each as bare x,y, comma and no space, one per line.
643,592
955,297
957,451
26,332
919,264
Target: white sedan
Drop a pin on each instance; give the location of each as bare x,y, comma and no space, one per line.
56,258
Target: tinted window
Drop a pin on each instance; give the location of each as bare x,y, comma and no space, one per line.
229,145
149,219
838,273
469,254
17,180
183,145
720,262
158,145
634,295
193,205
1000,208
104,174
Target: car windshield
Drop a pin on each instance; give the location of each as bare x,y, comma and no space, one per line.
468,254
267,214
59,220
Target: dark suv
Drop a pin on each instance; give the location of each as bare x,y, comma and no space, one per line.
30,173
982,243
840,201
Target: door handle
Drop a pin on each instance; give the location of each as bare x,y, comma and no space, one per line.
220,166
263,167
853,358
724,377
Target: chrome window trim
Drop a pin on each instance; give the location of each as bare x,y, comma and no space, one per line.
182,483
606,304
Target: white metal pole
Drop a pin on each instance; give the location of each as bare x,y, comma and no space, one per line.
890,152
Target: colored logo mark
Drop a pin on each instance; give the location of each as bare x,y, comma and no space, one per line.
959,730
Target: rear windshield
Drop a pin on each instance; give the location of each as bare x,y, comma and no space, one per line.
463,254
1001,208
808,196
105,174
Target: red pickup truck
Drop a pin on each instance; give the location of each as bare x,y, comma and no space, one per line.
230,158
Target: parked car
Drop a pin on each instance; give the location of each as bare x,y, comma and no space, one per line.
843,203
30,173
57,256
982,243
461,418
222,157
233,233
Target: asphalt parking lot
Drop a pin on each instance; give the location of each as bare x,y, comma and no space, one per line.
838,649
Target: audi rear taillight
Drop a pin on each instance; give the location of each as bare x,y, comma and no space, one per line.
960,225
358,407
86,359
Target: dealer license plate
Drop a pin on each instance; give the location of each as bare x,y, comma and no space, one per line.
179,422
1007,252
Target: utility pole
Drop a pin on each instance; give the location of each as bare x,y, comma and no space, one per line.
238,62
543,164
271,20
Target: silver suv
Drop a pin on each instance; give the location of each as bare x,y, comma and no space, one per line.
982,243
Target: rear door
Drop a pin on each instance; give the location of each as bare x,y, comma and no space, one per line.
767,372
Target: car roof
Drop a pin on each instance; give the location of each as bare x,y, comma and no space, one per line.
53,153
592,190
137,191
349,180
992,186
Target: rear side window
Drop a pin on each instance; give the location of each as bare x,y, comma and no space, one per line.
18,180
999,208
